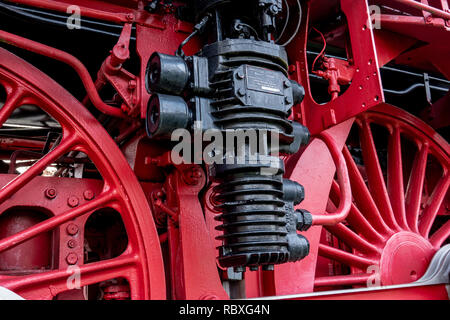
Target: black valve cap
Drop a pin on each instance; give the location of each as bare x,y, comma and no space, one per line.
298,92
301,137
293,192
165,114
298,247
304,219
166,74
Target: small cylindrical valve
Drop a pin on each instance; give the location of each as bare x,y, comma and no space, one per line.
166,113
167,74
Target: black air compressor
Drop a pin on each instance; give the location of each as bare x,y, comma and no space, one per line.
238,82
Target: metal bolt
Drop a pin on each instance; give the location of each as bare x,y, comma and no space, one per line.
72,258
72,201
132,84
287,84
288,100
292,69
88,195
274,9
72,243
240,75
50,193
192,176
196,174
72,229
130,17
241,92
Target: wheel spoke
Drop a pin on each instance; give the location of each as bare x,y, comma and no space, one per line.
353,240
363,227
395,178
439,237
346,258
11,104
375,177
362,196
21,180
345,280
356,219
415,187
433,205
49,284
51,223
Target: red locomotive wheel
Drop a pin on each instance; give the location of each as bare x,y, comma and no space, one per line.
140,264
399,173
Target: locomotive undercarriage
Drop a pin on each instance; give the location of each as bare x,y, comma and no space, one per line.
101,211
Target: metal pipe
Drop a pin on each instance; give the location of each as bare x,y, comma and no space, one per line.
117,17
68,59
424,7
345,202
420,75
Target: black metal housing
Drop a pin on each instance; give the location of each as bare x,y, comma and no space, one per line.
239,83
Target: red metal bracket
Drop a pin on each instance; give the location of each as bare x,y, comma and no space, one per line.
365,90
112,71
194,261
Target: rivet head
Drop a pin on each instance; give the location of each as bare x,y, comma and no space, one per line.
72,243
88,195
72,229
71,258
50,193
72,201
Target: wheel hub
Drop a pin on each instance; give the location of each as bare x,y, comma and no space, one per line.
405,258
398,169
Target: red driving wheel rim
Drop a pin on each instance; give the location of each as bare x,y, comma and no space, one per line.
398,219
141,263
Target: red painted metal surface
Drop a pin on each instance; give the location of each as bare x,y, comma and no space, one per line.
343,209
425,7
387,233
365,90
141,263
197,268
68,59
431,292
